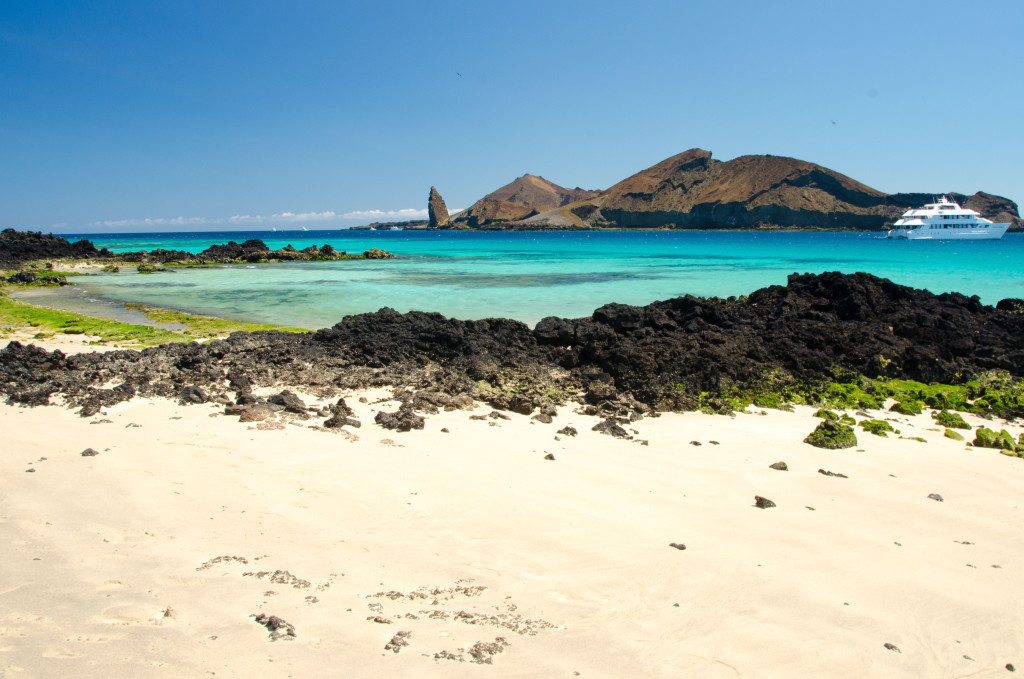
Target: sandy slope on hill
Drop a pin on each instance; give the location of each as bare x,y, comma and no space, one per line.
151,558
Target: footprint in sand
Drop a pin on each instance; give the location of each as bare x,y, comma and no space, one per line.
58,653
134,614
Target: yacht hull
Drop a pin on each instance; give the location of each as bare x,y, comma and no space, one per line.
990,232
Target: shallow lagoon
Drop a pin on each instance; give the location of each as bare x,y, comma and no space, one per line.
529,275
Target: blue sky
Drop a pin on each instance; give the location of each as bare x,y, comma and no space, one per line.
184,115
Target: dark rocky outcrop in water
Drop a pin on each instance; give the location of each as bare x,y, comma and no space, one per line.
18,248
620,361
437,211
252,251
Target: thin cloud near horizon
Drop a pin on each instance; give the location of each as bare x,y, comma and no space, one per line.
281,217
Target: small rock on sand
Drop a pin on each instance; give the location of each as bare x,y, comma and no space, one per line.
398,642
781,466
610,427
936,497
678,545
89,452
893,647
289,401
279,629
549,456
763,502
402,420
192,394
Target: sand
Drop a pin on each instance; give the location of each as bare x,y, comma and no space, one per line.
152,558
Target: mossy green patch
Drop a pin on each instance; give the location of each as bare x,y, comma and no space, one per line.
907,407
826,414
955,435
987,438
995,392
16,315
150,268
877,427
953,420
832,435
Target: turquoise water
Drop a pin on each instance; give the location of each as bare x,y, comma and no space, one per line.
529,275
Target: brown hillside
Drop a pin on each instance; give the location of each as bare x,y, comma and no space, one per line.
771,180
671,178
691,190
526,196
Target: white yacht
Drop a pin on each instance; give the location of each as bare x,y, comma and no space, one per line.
946,220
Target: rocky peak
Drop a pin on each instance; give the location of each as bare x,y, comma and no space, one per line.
437,211
522,198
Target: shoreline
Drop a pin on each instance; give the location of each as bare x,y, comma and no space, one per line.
687,346
111,325
568,560
124,311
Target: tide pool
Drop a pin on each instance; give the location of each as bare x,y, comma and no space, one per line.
530,275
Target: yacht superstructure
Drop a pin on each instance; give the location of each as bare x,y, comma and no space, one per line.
945,220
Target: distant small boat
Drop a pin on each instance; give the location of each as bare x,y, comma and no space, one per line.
273,228
945,220
305,229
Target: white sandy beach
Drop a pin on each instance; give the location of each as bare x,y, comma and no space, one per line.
151,558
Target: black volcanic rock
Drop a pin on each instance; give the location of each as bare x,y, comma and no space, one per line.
1010,304
20,247
289,401
623,361
404,419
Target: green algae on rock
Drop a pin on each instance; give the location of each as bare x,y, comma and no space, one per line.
832,435
906,408
877,427
987,438
948,419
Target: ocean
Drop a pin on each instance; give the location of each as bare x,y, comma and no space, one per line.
530,275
